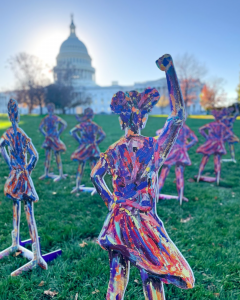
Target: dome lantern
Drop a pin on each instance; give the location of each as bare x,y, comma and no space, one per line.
72,27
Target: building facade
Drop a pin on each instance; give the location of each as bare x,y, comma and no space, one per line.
74,67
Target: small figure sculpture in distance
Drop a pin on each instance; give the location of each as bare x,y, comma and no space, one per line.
133,232
91,135
179,157
216,134
19,187
228,117
49,127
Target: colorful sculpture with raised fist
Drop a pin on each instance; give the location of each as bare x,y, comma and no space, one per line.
132,232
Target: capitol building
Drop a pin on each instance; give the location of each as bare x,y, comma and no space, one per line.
74,68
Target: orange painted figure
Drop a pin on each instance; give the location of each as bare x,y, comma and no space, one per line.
132,232
19,187
49,127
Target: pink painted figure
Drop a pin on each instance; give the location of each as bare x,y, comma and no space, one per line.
49,127
179,157
19,187
216,134
91,135
227,116
132,232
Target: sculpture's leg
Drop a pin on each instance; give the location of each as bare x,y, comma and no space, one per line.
202,166
163,175
47,166
60,169
119,274
232,151
217,167
79,175
15,232
36,257
179,171
152,287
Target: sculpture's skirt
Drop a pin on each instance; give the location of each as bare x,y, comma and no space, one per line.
85,152
178,155
19,186
212,147
142,239
54,143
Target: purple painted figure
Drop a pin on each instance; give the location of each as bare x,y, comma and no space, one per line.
216,134
228,116
91,135
133,232
179,157
19,187
49,127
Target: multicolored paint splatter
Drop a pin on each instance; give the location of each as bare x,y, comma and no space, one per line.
216,134
228,116
133,232
91,135
19,187
49,127
179,157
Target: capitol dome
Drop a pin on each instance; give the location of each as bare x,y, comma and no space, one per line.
74,62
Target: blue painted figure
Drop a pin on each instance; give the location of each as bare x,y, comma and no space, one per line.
91,135
132,232
49,127
19,187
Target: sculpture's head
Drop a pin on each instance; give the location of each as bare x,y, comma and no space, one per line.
88,113
218,113
13,111
50,108
133,107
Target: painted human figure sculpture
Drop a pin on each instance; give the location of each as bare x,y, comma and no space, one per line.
91,135
19,187
132,232
49,127
228,116
179,157
216,134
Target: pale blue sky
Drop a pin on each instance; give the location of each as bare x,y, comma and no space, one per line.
124,38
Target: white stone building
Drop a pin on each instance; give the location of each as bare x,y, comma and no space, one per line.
74,67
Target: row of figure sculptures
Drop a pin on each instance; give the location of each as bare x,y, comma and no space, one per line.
132,233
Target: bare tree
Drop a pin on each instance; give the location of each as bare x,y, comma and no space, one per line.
213,95
190,73
30,74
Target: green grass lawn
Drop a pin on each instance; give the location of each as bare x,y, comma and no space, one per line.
210,241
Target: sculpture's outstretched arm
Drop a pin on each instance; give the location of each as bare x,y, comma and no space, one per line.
175,121
202,131
101,135
230,135
193,138
33,157
41,128
74,134
4,153
97,177
63,126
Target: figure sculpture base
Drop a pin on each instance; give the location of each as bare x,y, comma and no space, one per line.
83,188
207,179
30,255
171,197
229,160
